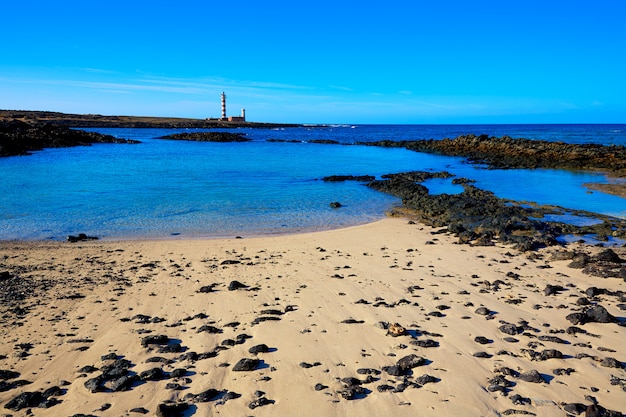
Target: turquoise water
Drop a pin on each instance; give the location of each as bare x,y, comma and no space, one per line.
163,188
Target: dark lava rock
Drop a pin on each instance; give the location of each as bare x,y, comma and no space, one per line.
385,388
341,178
599,314
178,373
552,289
208,137
553,339
236,285
550,354
209,329
21,138
426,379
482,355
563,371
510,328
577,318
395,370
230,396
320,387
607,255
476,216
427,343
157,359
259,402
109,357
307,365
6,374
171,409
482,340
410,361
116,369
154,340
595,314
80,238
207,288
579,261
123,383
599,411
26,400
594,291
335,205
517,399
262,348
94,384
574,408
532,376
265,318
611,363
350,381
483,311
206,396
246,365
171,348
368,371
352,321
154,374
139,410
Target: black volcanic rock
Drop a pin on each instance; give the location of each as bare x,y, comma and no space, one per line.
208,137
21,138
506,152
595,314
246,365
341,178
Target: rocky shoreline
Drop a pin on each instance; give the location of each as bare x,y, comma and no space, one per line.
480,218
506,152
21,138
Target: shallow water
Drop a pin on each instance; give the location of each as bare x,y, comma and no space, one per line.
163,188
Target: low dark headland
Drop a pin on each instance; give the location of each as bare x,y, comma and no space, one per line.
506,152
97,120
208,137
21,138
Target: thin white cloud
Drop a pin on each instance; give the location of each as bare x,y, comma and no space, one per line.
338,87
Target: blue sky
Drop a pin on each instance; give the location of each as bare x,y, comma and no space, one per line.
320,61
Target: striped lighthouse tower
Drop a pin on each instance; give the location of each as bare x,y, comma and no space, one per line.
223,106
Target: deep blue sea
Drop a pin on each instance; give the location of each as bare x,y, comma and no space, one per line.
164,189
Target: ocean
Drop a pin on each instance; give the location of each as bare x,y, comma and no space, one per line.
167,189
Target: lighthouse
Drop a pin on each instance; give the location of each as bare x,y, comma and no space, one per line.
224,118
223,106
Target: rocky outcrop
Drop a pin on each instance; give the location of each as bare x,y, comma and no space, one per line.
21,138
479,217
506,152
208,137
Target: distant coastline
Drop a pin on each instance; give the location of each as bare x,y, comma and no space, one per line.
96,120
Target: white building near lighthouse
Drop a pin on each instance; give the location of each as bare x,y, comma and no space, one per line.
225,118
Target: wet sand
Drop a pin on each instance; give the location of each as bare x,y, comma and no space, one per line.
388,318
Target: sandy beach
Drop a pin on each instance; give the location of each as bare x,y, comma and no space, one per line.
385,319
